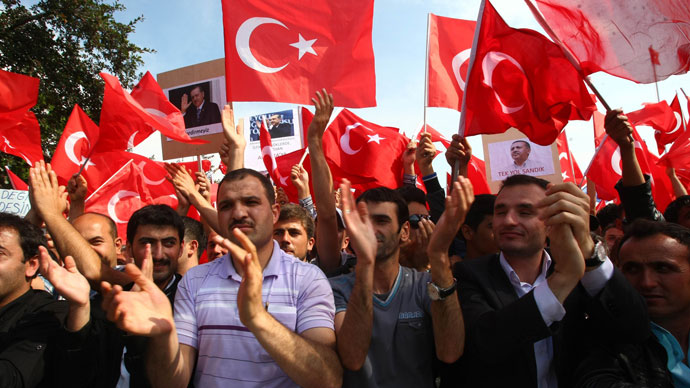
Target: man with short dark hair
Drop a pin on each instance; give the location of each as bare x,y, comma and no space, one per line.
294,231
519,151
194,245
202,113
678,211
477,229
413,249
655,258
277,128
389,318
528,320
251,317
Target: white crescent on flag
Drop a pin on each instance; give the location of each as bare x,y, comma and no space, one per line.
114,201
489,63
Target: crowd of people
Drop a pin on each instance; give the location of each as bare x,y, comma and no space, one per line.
395,288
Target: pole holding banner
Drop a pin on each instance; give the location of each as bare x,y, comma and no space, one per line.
426,69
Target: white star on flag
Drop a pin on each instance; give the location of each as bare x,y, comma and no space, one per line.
304,46
376,138
283,181
565,175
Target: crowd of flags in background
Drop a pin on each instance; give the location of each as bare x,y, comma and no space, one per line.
497,76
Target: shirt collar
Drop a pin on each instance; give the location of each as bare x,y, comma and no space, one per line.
515,279
227,268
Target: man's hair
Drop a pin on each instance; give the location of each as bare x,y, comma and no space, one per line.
482,207
241,173
156,215
111,224
529,147
194,230
609,214
197,87
521,180
673,209
641,228
30,236
412,194
384,194
295,212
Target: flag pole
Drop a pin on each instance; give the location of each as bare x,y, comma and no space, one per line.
569,56
83,166
656,81
473,53
426,69
304,156
109,179
682,118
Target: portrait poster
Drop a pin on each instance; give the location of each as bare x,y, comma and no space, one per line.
285,128
199,92
512,153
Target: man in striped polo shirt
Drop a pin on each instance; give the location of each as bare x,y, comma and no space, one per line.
254,317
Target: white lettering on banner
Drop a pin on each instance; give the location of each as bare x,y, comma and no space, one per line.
14,202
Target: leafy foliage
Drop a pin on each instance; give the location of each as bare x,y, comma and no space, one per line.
66,43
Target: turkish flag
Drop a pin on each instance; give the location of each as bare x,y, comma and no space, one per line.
570,172
669,134
75,145
17,182
20,135
662,188
123,194
450,44
193,166
18,93
598,120
127,120
284,165
606,169
615,36
285,51
269,158
519,78
436,136
678,156
476,173
364,151
657,115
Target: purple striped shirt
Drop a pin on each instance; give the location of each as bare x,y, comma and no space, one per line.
298,294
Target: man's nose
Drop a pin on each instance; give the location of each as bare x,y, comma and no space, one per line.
648,279
157,250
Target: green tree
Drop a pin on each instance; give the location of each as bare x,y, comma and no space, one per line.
66,43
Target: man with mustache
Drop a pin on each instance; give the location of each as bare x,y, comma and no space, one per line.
532,314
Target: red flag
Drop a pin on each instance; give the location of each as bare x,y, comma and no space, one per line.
18,93
298,48
436,136
662,188
284,165
74,147
17,182
476,173
521,79
606,169
364,151
21,136
657,115
193,166
570,172
450,43
307,116
123,194
678,156
269,158
126,120
598,120
617,36
669,134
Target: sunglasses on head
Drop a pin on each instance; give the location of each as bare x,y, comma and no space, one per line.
415,218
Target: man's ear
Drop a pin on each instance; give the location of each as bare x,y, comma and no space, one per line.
118,244
467,232
193,248
31,267
405,231
275,208
310,243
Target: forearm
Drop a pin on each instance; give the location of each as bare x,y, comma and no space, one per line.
235,158
446,316
298,357
354,336
632,173
327,243
562,284
78,316
165,362
76,208
678,188
209,215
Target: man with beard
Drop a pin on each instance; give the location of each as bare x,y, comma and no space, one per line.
389,317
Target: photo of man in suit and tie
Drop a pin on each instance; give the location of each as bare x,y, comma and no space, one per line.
198,111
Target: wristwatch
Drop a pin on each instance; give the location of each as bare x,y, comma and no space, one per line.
438,293
598,256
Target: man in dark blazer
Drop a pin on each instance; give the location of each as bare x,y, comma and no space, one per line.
198,112
531,315
277,128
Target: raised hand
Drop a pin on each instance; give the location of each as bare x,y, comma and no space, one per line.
425,154
457,206
359,226
249,297
618,128
300,179
185,103
76,188
180,178
47,196
233,134
203,185
145,312
459,149
323,102
408,157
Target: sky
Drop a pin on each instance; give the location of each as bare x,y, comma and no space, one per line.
184,33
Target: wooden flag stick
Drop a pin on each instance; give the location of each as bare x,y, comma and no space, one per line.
426,70
304,156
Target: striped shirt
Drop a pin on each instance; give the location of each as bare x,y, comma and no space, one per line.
298,294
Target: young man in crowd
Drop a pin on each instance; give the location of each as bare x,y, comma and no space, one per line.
531,314
194,245
294,231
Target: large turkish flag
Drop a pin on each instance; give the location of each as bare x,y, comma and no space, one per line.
286,50
79,135
450,43
669,134
519,78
